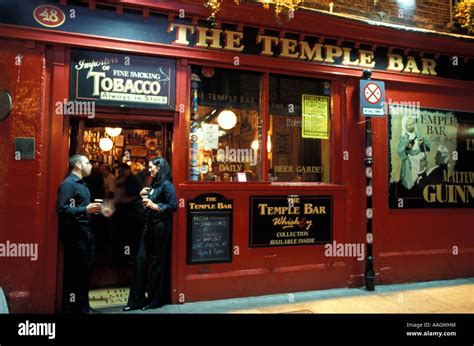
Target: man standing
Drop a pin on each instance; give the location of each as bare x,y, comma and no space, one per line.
74,207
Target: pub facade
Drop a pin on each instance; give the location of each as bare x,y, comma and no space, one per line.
264,125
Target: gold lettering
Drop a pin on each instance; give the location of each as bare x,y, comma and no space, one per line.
193,206
232,40
311,54
267,44
214,37
460,192
439,193
411,66
308,209
283,169
395,62
309,169
230,167
428,66
346,60
332,52
430,197
366,58
448,193
287,48
181,34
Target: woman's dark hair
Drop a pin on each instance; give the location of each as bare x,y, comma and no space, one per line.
165,170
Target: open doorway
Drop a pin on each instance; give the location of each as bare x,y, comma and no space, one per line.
119,151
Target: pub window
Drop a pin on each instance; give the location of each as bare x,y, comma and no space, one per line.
298,132
225,126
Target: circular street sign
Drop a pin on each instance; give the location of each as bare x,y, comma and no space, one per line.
49,16
372,93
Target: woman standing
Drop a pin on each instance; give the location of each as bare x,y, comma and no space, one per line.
159,200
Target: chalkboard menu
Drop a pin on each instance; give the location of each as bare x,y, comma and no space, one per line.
290,220
209,224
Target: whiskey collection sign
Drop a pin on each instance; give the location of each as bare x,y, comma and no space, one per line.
290,220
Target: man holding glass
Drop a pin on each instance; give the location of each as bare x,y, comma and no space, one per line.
74,209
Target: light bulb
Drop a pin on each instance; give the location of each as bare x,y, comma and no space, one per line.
113,131
105,144
255,145
227,119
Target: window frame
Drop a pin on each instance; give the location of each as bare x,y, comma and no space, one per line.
264,112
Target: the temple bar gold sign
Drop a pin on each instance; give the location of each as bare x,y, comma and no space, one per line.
310,49
315,116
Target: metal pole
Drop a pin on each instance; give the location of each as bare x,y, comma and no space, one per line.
369,262
193,148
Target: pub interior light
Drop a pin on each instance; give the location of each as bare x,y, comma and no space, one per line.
113,131
227,119
105,144
255,145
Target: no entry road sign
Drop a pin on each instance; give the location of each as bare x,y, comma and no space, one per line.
372,98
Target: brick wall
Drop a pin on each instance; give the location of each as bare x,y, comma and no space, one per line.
427,14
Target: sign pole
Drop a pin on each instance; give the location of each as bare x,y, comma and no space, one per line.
369,262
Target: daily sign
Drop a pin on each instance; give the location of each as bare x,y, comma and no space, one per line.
120,79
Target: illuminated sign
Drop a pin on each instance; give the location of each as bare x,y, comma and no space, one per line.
290,220
121,79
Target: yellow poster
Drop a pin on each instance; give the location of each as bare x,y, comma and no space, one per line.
315,116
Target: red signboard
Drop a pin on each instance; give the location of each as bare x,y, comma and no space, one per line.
49,16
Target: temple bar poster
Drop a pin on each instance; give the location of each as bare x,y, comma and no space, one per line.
431,158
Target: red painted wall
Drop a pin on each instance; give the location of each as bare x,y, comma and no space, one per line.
409,245
259,271
416,245
23,189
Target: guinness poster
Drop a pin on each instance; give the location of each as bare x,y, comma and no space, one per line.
431,158
290,220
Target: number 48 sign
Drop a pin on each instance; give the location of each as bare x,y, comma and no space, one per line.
49,16
372,98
